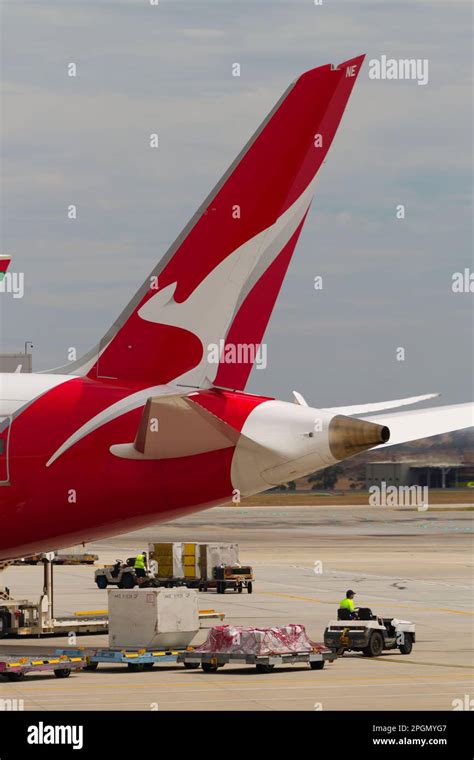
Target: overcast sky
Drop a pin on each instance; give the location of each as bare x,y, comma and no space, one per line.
167,69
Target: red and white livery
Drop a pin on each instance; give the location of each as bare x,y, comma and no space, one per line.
149,425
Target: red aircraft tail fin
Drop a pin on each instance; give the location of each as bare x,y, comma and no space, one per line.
200,317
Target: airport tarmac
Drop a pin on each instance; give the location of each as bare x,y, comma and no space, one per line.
412,565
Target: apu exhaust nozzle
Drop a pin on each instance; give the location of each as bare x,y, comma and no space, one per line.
348,436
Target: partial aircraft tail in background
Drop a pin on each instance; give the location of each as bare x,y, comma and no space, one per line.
4,264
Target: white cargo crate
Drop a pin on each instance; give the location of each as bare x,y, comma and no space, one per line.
221,554
155,617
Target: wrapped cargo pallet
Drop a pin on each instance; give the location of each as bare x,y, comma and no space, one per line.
230,639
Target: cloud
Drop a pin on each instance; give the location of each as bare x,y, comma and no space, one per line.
168,70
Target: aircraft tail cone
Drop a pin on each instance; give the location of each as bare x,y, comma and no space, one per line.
349,436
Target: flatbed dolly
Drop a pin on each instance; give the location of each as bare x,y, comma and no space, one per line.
14,668
211,661
138,660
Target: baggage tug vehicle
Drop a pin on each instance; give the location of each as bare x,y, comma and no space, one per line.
369,634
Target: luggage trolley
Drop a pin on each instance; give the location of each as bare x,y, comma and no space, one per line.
14,668
136,660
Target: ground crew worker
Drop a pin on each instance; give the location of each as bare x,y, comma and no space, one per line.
140,565
347,603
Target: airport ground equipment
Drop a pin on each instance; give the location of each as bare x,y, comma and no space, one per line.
15,667
146,659
210,662
229,577
262,647
22,617
136,660
370,634
194,565
203,566
120,574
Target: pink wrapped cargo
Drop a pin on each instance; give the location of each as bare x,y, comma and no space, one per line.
230,639
262,647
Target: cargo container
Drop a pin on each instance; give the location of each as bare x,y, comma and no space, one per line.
190,560
153,617
203,566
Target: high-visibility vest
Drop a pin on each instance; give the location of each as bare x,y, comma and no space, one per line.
347,604
140,562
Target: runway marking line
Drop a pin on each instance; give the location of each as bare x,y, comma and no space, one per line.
399,661
326,601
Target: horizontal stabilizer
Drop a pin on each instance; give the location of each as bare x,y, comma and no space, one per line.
380,405
424,423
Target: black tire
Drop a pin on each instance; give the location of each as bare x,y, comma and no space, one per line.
191,665
407,645
62,672
375,646
209,667
249,587
135,667
148,665
316,664
101,581
128,581
264,667
4,624
91,666
15,676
